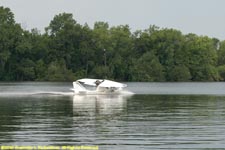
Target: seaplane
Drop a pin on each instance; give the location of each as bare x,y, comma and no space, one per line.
88,86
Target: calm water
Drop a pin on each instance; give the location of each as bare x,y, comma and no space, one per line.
159,116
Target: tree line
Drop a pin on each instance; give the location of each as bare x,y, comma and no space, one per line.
67,51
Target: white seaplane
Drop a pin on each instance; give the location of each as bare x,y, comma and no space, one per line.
98,87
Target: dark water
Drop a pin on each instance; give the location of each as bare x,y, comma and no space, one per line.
31,115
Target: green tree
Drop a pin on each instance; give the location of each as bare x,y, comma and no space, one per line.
180,73
148,68
26,70
59,23
57,71
221,53
68,50
202,58
122,46
221,71
221,60
168,45
10,34
66,36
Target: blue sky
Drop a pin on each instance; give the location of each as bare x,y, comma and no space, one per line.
202,17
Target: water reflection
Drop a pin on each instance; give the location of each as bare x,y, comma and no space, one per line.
114,121
35,120
99,104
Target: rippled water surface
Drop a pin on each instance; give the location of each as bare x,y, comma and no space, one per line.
170,117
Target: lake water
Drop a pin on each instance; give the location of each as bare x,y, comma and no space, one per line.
158,116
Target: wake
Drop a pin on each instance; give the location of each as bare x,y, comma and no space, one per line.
35,93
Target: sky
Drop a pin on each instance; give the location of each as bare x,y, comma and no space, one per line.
202,17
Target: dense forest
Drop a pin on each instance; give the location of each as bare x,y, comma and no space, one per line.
68,50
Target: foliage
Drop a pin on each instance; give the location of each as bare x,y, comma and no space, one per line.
148,68
68,51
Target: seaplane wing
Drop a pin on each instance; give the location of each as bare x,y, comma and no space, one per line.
108,83
91,82
102,83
